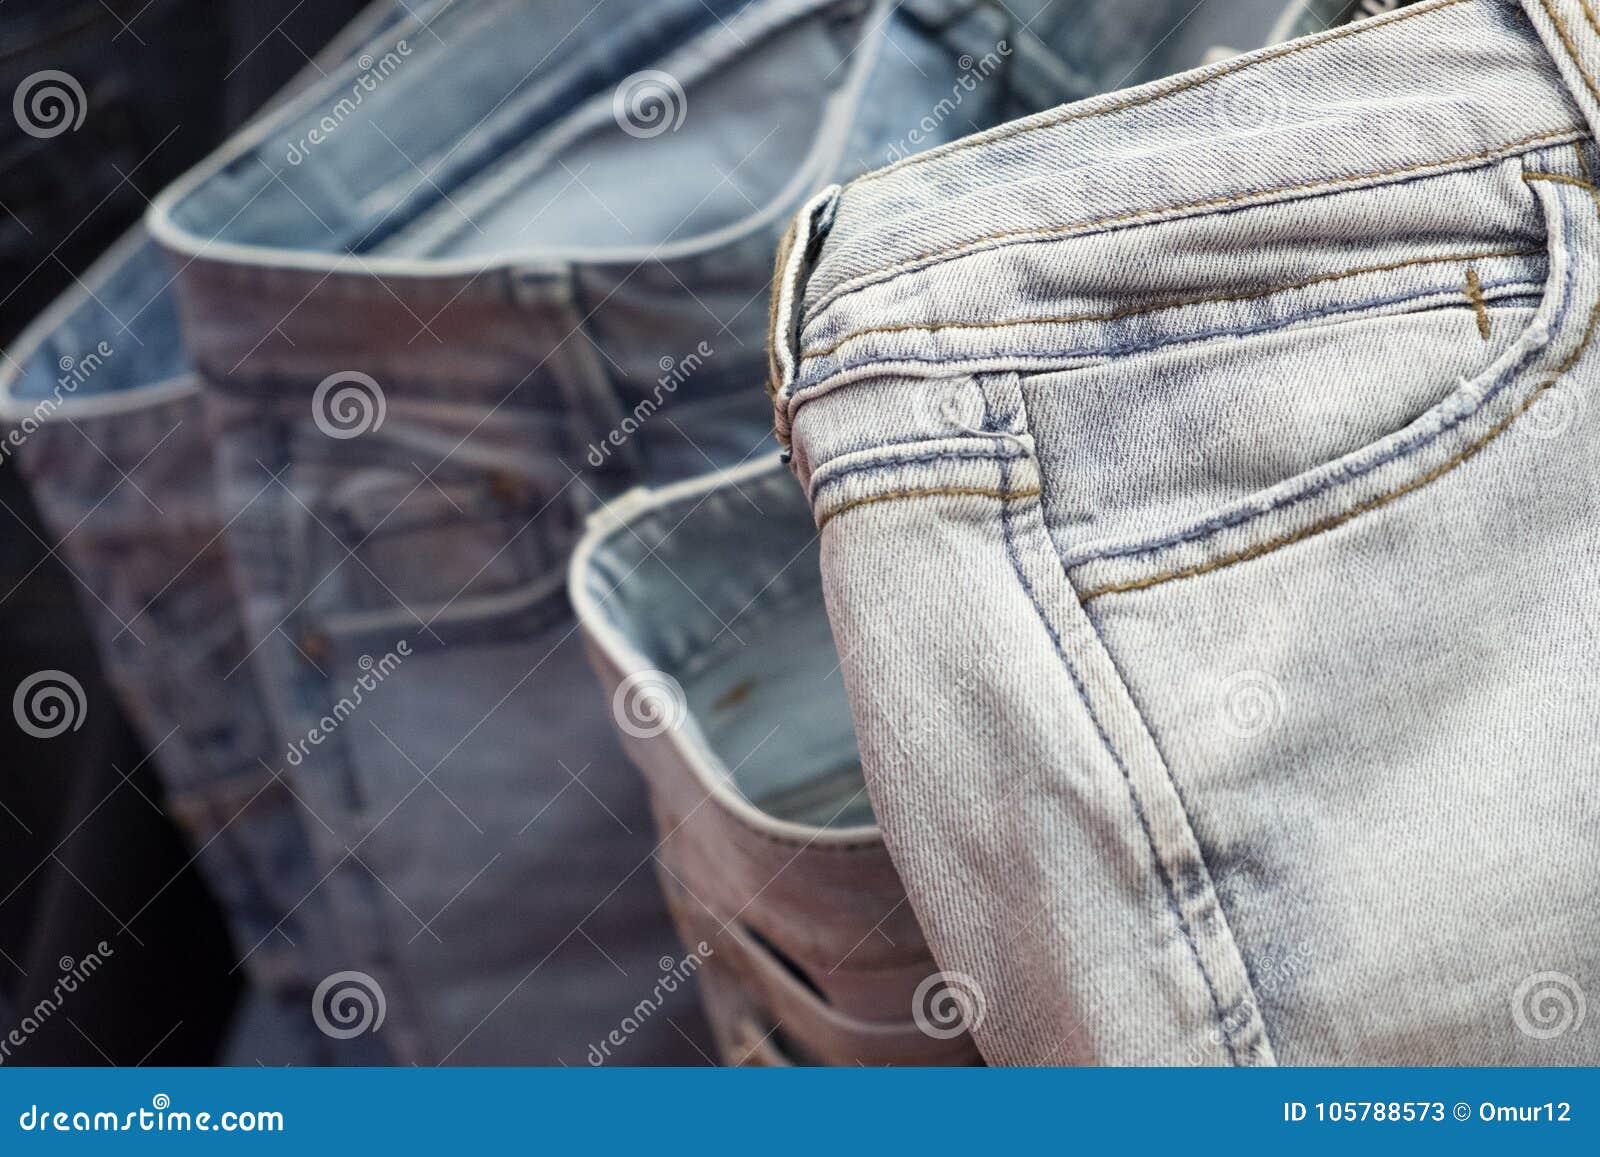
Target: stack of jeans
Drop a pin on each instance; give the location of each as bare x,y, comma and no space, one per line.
387,351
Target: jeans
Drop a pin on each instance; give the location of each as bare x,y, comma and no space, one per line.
725,686
434,311
1207,484
111,443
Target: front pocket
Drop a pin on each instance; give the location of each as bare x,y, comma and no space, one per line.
388,532
1251,445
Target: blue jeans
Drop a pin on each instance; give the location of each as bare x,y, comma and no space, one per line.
1214,462
482,291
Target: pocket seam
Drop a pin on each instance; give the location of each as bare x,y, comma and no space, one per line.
1333,522
1560,246
1251,1033
1181,303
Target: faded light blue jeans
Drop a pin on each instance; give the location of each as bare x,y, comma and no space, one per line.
1215,464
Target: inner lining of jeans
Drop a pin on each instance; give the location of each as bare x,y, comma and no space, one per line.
675,159
91,353
489,142
728,601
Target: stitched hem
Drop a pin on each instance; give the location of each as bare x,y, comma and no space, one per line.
1165,878
1498,152
1182,303
977,454
1045,362
1004,495
1572,49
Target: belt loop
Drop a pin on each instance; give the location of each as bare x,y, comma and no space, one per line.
1570,30
797,255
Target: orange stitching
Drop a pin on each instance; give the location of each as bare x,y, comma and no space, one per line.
1211,203
1151,98
1572,49
1479,306
1338,520
944,491
1560,179
1588,14
1119,315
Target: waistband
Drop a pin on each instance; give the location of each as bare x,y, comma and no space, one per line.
246,270
1442,86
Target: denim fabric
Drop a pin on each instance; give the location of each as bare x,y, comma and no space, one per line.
1216,461
111,99
472,239
727,689
110,433
112,441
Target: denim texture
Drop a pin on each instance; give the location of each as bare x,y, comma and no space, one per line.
487,262
769,854
1216,460
112,440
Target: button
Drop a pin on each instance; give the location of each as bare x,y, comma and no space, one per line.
508,487
314,646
